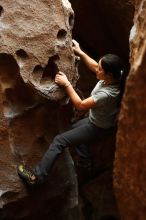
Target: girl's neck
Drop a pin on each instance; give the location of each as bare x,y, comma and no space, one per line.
109,82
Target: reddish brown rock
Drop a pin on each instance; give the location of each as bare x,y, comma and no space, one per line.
35,43
130,178
38,36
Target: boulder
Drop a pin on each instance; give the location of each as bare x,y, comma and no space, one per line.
35,44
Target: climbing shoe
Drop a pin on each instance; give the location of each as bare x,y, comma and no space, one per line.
26,174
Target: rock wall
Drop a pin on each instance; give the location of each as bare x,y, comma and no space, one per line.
35,42
38,36
130,163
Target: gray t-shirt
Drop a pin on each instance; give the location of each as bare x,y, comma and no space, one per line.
104,114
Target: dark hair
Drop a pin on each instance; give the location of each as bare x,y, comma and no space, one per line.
112,64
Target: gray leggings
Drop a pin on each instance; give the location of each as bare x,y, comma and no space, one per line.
81,135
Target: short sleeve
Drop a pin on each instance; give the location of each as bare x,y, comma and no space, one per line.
100,98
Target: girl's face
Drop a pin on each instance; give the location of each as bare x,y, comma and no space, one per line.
100,73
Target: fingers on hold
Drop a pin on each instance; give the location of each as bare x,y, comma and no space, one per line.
61,73
75,43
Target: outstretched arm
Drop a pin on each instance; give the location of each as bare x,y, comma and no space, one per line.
79,104
90,63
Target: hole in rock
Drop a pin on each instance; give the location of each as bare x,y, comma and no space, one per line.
1,10
22,54
8,70
71,20
61,34
37,73
38,69
51,69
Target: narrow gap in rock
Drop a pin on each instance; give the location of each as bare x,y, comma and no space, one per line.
61,34
22,54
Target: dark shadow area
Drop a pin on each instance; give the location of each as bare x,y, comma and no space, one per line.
17,95
61,35
71,20
1,10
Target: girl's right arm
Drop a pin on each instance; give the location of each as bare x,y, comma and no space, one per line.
90,63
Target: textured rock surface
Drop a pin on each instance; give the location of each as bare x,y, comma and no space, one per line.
130,178
35,42
38,36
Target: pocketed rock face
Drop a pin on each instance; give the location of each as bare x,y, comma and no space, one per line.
130,178
35,42
38,36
